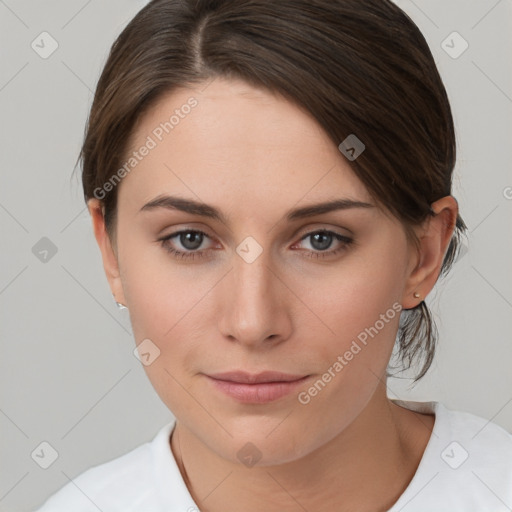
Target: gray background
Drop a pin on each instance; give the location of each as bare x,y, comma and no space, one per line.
68,374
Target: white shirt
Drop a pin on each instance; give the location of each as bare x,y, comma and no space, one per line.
466,467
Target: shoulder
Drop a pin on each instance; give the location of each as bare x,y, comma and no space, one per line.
476,457
467,465
476,435
479,435
480,443
122,484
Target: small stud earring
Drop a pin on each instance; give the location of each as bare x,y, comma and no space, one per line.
118,304
417,295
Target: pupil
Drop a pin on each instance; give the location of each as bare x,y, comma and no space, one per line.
187,240
326,240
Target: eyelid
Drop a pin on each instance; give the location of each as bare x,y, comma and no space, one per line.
300,234
175,234
342,231
339,237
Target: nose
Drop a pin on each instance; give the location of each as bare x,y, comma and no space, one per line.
256,303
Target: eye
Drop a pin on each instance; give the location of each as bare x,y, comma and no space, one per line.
191,241
321,241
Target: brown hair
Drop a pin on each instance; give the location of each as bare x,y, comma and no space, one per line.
359,67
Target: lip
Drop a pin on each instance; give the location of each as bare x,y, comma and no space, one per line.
256,388
255,378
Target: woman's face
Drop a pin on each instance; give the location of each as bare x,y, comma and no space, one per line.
261,290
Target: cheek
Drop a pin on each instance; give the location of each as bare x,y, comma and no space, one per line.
362,330
159,290
359,301
353,294
165,305
171,305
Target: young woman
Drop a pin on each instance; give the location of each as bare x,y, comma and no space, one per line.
270,188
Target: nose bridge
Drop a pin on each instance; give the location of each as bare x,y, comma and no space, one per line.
253,310
253,276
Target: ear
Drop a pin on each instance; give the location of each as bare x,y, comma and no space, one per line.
108,254
434,238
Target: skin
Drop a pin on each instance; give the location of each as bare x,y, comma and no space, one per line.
254,155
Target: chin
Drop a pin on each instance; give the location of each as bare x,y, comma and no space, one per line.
256,444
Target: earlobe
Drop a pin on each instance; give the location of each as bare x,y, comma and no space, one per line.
434,238
108,254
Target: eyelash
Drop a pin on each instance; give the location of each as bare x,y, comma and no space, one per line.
200,254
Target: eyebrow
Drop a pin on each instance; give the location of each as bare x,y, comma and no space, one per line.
202,209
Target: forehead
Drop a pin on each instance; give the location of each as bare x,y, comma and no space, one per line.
229,142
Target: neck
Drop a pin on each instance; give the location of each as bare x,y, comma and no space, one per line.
367,466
